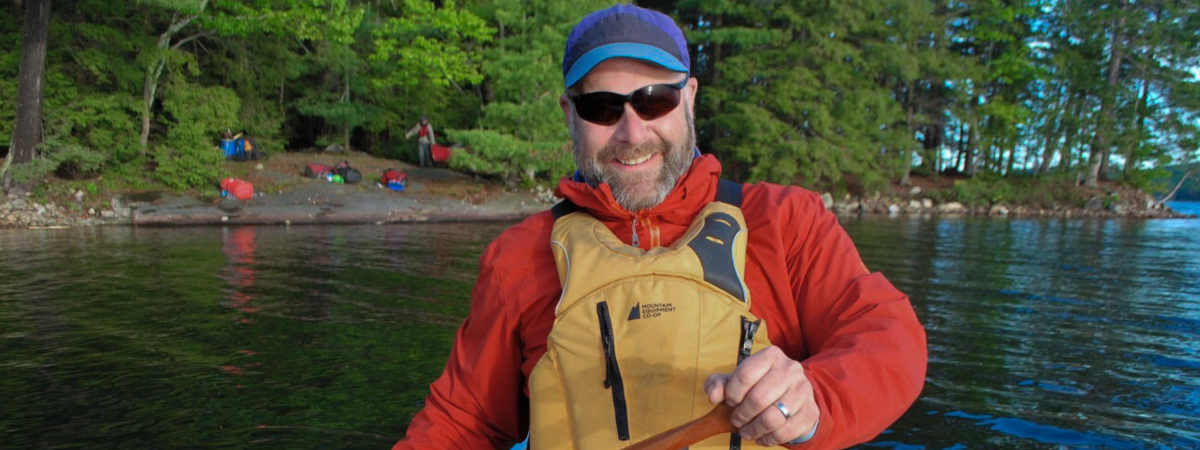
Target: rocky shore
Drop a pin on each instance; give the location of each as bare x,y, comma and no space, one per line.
1141,208
284,197
324,203
22,212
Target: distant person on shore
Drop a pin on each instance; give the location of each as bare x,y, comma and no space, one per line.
426,139
656,290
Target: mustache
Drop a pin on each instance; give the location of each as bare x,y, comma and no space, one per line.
611,152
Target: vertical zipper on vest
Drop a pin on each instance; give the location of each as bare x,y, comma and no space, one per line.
747,342
745,345
635,237
612,373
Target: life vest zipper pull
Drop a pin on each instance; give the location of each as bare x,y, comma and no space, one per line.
635,237
748,330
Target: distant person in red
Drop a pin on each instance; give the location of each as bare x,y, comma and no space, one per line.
425,140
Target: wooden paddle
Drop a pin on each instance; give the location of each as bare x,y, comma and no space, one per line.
714,423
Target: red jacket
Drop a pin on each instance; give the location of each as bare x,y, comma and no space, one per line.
856,336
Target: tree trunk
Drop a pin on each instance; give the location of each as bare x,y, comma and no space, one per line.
937,152
346,128
154,71
972,138
1098,158
1049,149
27,132
1053,129
1140,127
1027,160
1173,191
961,147
904,181
1007,167
1071,127
1102,171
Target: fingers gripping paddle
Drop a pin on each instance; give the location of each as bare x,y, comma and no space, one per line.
714,423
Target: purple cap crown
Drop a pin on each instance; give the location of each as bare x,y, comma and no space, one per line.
624,31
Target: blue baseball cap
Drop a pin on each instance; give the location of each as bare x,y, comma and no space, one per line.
624,31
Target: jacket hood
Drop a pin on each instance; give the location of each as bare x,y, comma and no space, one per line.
696,188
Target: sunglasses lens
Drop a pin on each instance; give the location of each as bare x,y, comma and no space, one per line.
652,102
603,108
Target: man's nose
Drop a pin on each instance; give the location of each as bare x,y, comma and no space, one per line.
631,129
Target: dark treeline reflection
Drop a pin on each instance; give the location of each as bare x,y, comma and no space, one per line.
1042,332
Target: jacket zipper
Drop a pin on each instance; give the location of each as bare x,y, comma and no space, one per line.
745,345
612,373
635,241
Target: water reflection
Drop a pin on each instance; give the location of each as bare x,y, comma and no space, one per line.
1042,333
1043,327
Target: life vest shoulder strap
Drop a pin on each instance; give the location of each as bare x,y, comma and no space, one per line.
729,192
563,208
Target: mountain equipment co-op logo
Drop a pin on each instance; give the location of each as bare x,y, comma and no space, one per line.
650,310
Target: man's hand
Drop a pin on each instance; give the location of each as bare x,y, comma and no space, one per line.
762,380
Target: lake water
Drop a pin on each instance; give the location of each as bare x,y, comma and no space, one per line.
1042,333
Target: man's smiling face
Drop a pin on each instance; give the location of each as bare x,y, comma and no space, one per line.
641,160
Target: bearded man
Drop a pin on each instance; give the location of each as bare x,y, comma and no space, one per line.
656,290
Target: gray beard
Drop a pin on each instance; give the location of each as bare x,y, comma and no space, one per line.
677,158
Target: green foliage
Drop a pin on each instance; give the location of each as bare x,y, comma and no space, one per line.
8,110
990,188
32,171
92,129
509,158
521,134
188,157
1150,180
430,45
809,93
982,190
1111,200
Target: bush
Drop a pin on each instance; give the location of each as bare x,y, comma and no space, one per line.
188,157
984,189
511,159
988,189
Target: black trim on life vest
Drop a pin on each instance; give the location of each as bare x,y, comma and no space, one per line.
714,246
745,345
563,208
612,376
729,192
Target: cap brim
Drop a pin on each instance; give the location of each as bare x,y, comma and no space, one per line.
631,50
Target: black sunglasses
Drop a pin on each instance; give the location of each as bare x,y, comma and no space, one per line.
650,102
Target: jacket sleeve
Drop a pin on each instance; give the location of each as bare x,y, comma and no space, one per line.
867,349
412,131
476,402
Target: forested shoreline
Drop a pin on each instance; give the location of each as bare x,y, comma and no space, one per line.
845,97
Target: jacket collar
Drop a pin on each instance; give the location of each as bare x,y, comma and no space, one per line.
696,188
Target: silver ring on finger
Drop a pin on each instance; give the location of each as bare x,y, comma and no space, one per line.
783,409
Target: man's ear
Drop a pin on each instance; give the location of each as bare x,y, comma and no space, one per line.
565,104
692,86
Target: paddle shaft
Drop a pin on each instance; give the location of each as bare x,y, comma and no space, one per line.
711,424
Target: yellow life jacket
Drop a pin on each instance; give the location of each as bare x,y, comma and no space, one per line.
636,332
